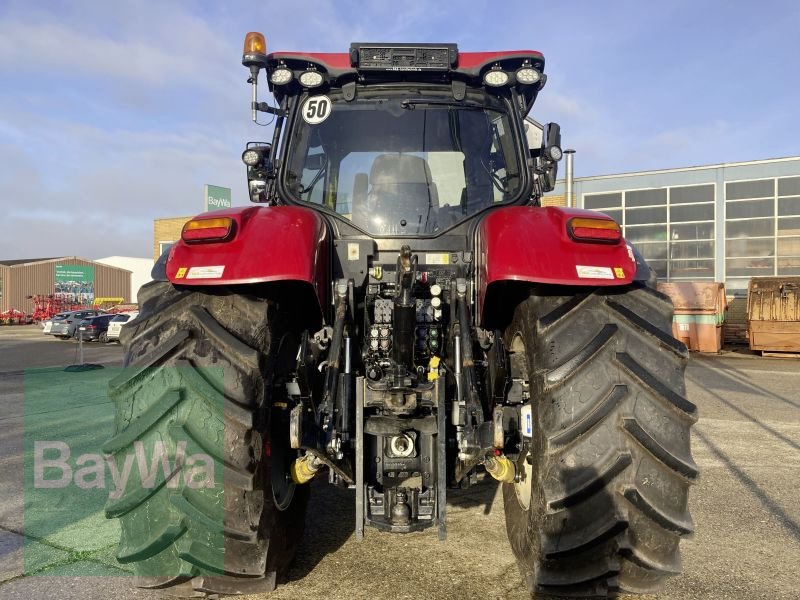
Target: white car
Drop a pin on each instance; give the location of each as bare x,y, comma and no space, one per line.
48,324
115,325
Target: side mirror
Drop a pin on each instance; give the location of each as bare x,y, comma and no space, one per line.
551,154
553,137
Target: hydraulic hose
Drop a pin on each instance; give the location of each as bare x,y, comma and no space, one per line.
334,360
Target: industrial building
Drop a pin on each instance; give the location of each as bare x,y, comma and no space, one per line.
73,279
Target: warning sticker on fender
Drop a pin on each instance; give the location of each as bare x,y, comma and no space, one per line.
214,272
585,272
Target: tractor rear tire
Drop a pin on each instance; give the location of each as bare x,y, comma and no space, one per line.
603,502
200,365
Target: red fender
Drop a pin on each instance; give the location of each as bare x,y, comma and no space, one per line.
531,243
270,243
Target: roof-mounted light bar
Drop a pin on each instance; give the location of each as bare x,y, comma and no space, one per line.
403,57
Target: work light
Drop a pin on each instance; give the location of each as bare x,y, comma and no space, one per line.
251,157
528,75
495,78
281,76
311,79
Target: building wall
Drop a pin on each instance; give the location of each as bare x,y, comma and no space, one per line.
140,269
166,231
553,200
4,274
726,222
38,278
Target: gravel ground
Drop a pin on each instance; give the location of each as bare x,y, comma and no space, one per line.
745,506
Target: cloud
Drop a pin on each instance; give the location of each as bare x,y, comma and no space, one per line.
152,56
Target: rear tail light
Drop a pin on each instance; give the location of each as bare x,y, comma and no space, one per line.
594,230
218,229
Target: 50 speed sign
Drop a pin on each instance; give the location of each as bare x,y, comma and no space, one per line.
316,109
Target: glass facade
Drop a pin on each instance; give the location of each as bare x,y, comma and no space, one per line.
762,228
724,226
673,227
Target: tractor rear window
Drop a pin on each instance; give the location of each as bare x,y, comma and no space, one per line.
400,166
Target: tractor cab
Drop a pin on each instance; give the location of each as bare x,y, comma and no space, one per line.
400,139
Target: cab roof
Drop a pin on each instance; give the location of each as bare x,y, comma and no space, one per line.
469,64
413,63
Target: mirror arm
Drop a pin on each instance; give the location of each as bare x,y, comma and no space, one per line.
264,107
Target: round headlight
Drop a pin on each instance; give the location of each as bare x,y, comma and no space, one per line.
554,152
281,76
311,79
251,157
495,78
528,75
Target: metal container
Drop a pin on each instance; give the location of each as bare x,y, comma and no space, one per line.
773,314
699,313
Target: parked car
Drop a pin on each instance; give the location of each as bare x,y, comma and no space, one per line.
65,328
94,328
115,326
48,324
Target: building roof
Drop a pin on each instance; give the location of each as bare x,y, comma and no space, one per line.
22,261
17,262
689,168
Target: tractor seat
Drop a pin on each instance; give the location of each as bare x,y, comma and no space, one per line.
401,187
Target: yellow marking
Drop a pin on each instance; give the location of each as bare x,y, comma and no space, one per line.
437,258
619,272
181,273
433,365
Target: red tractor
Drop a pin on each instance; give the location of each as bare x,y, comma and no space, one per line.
398,311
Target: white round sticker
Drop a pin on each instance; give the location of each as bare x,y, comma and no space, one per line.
316,109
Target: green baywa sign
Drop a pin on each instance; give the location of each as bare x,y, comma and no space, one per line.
216,197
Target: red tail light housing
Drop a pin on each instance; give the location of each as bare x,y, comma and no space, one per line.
590,229
216,229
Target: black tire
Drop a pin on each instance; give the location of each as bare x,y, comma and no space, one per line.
103,338
230,538
609,468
